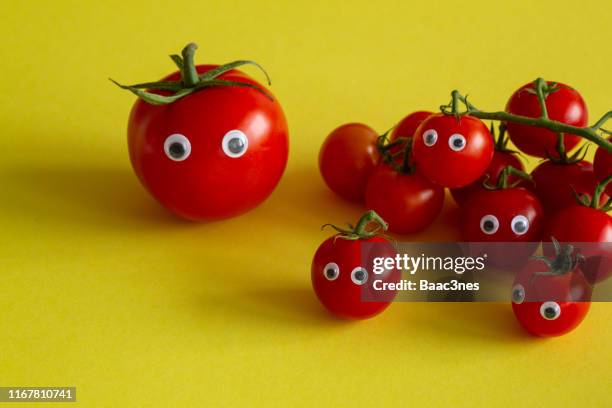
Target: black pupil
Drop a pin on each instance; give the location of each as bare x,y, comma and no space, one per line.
489,225
458,142
359,275
177,150
550,312
330,273
520,226
517,294
429,138
235,145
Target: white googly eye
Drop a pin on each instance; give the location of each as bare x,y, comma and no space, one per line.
235,143
457,142
331,271
489,224
550,310
177,147
518,294
359,275
430,137
520,225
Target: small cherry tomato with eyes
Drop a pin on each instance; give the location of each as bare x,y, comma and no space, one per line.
556,181
551,297
563,104
502,158
347,158
452,152
342,271
503,213
405,199
207,142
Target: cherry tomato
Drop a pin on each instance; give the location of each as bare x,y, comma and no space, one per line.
408,202
549,303
452,152
602,165
564,105
407,127
213,154
501,160
343,278
555,183
590,231
347,158
503,215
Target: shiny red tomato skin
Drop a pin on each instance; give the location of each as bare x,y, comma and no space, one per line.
580,224
209,185
504,204
347,158
500,161
565,105
342,297
602,165
408,202
446,167
555,183
560,289
407,127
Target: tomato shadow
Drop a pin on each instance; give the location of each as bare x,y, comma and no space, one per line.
492,321
71,195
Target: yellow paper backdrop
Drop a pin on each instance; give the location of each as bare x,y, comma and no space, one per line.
102,289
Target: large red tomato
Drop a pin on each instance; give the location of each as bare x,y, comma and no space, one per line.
408,202
215,153
564,104
343,276
602,165
347,158
452,152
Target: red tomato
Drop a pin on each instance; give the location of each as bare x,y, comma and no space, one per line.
347,158
550,305
504,215
344,280
452,152
408,202
564,105
555,183
501,160
407,127
585,227
213,154
602,165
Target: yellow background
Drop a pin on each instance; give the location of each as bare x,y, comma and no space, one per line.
102,289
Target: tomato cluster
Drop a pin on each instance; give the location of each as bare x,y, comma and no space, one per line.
402,175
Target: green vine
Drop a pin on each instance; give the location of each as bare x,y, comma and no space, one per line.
542,89
190,80
361,231
593,202
503,179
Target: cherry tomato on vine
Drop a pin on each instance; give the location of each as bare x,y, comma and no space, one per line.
408,126
502,158
602,165
551,298
211,150
563,104
347,158
555,183
342,275
407,201
452,152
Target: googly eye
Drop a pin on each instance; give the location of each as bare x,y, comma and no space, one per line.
520,225
430,137
235,143
489,224
550,310
518,294
331,271
457,142
359,275
177,147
